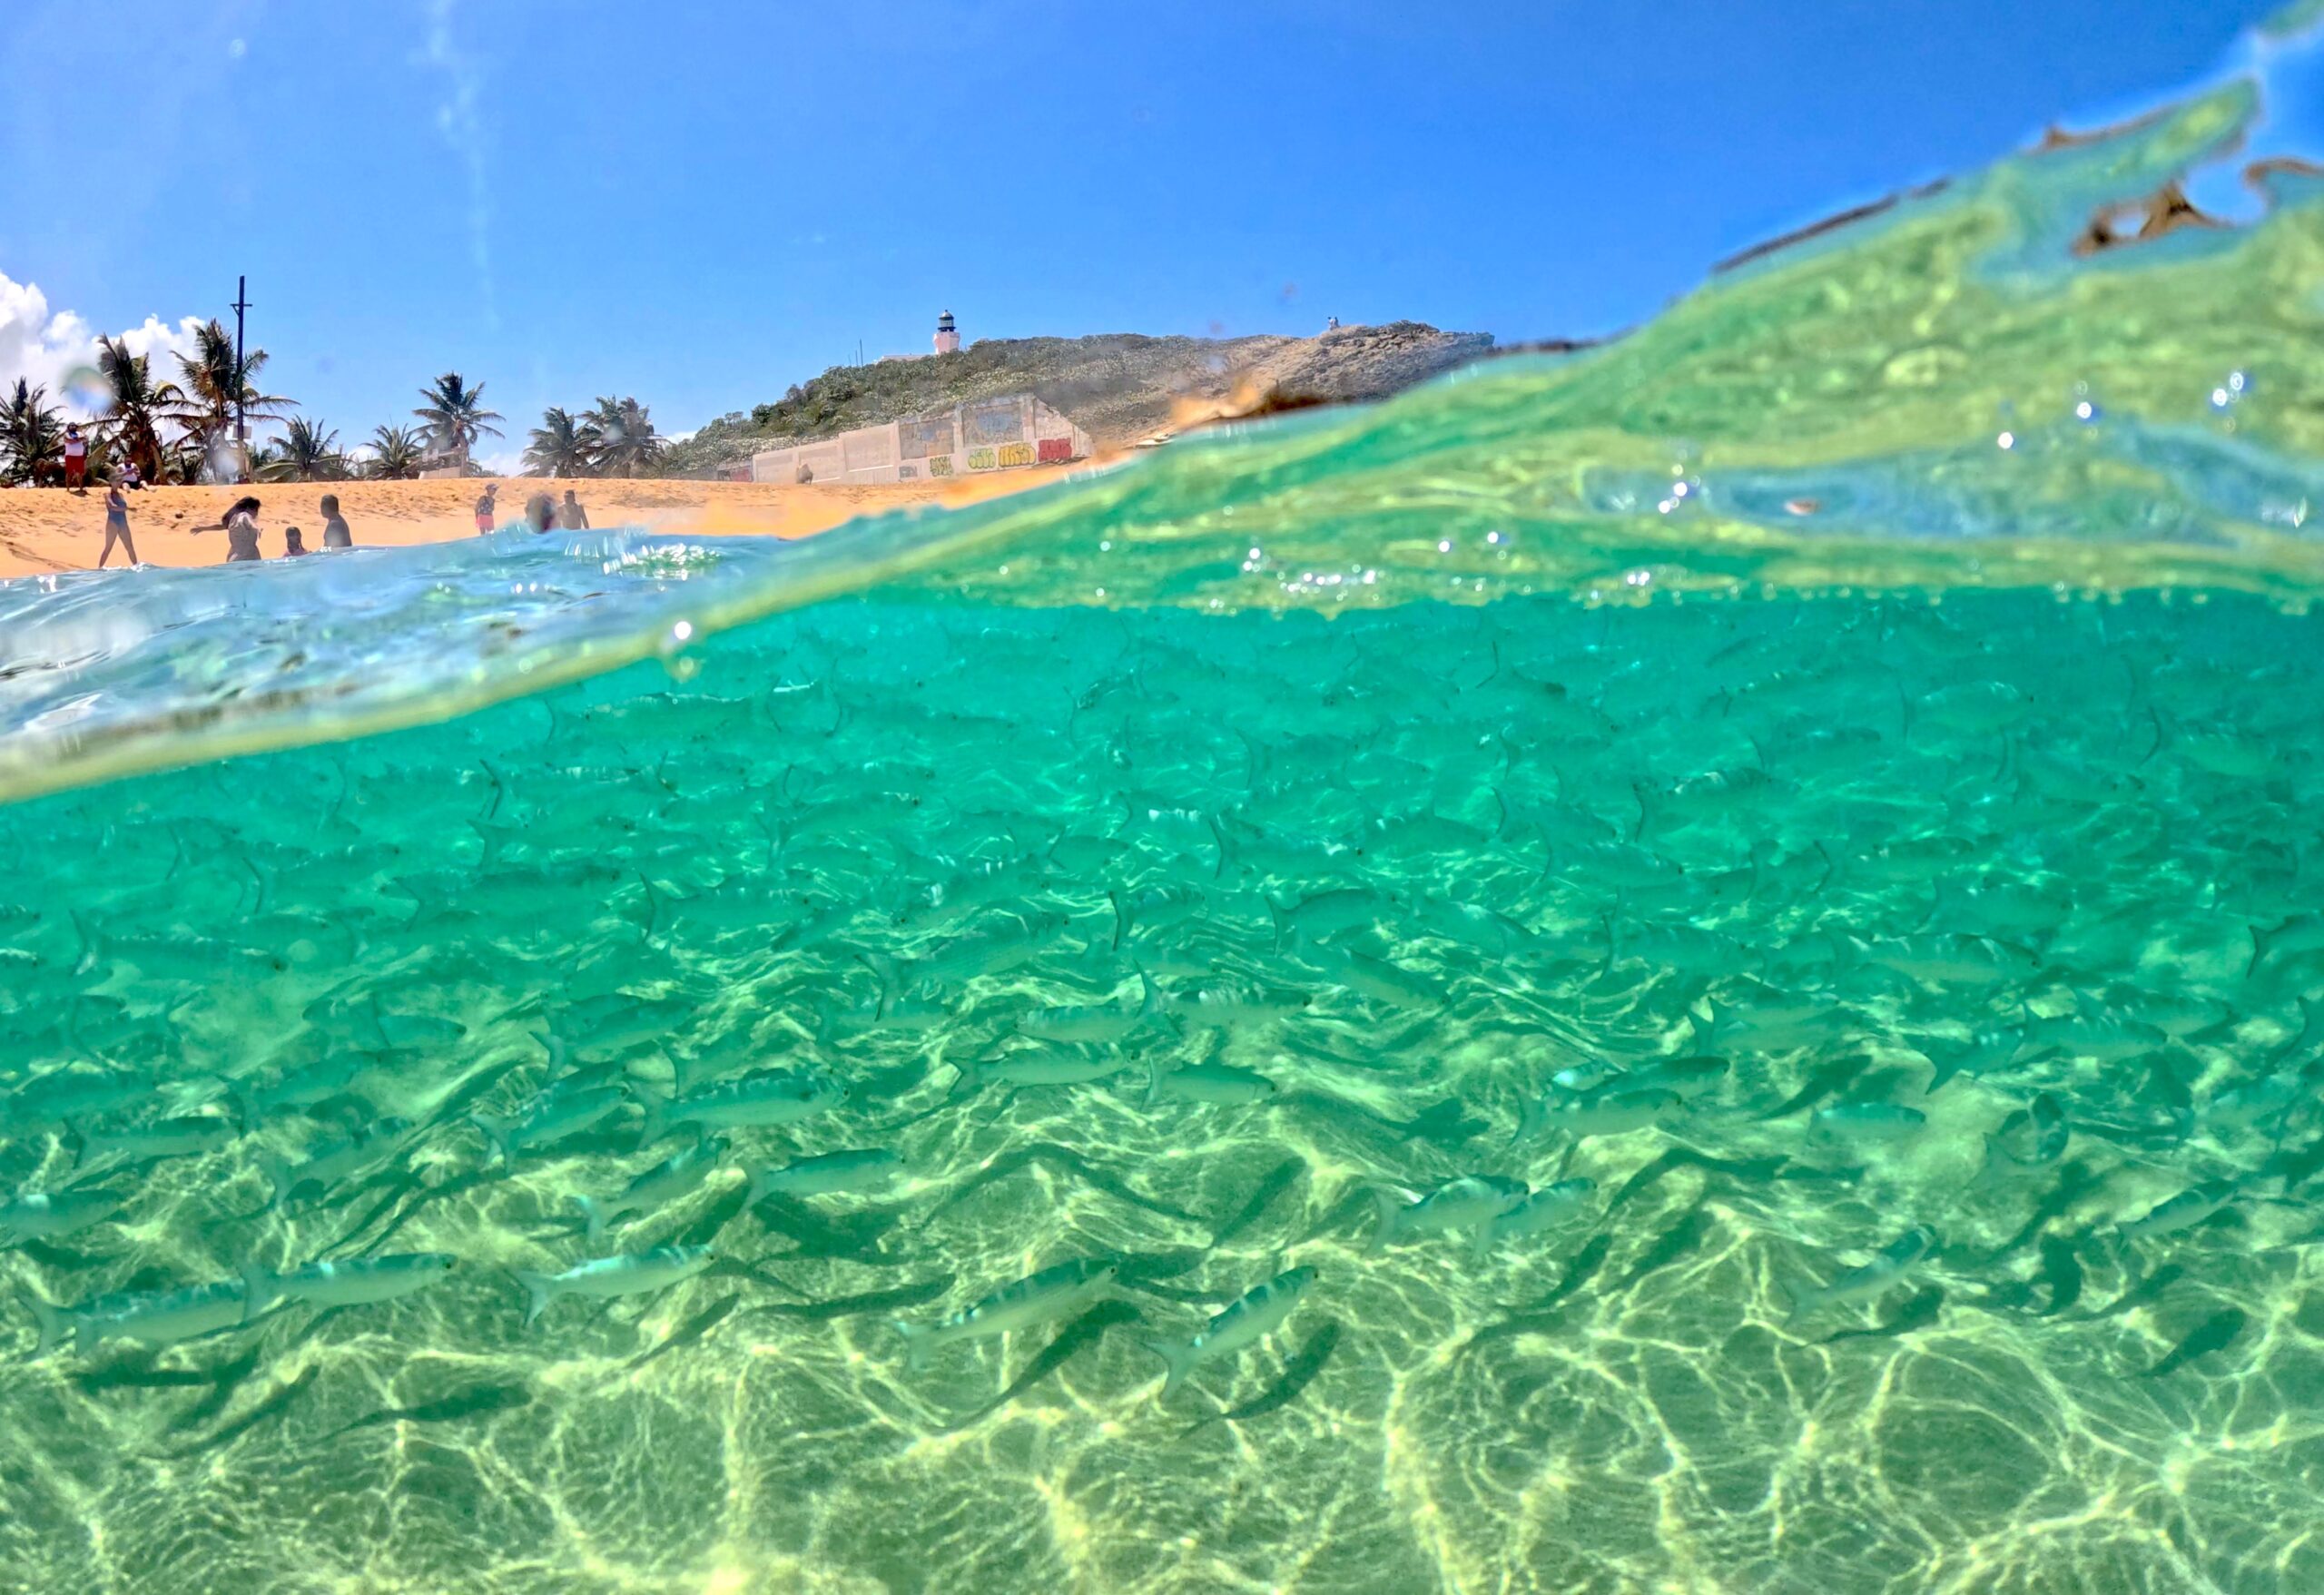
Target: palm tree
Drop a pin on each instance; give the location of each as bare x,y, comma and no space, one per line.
395,453
135,405
455,414
626,441
307,453
562,446
212,384
32,434
182,457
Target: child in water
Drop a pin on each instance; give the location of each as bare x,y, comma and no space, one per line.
292,543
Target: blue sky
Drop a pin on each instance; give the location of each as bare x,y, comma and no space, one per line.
701,203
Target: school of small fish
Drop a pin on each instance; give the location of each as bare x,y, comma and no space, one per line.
1198,995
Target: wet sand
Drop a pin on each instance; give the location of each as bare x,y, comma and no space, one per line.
48,529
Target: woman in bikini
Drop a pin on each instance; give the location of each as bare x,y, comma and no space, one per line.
117,525
241,524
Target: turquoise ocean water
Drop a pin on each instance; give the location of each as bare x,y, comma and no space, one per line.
1700,966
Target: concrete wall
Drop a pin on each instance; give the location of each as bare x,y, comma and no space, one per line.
983,435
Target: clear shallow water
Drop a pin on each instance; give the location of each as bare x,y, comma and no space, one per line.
1440,793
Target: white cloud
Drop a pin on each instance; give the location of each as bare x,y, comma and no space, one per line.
50,347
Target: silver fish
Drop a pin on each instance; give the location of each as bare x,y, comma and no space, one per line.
1470,1203
769,1096
1056,1292
355,1281
1218,1084
333,1161
166,1137
46,1214
550,1116
1893,1261
2184,1211
1247,1320
155,1317
1614,1111
1546,1208
629,1275
829,1173
676,1176
1037,1066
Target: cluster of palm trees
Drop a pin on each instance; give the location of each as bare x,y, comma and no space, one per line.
616,438
167,429
184,430
453,420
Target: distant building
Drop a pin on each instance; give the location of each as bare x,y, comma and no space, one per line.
967,440
948,336
445,462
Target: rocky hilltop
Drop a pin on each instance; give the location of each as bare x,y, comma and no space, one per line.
1122,388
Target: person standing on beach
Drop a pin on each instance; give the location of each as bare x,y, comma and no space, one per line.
76,459
484,508
540,513
335,532
117,525
570,515
241,522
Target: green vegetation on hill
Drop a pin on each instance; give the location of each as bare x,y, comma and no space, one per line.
1118,386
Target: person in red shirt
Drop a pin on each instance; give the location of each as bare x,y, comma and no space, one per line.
76,459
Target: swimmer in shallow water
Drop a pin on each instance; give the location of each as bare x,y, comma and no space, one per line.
241,524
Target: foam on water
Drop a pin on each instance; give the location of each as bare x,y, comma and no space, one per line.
1342,784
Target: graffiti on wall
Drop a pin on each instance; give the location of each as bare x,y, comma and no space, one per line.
1016,454
980,459
992,421
925,439
940,466
1056,450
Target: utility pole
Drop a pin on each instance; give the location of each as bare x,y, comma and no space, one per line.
242,386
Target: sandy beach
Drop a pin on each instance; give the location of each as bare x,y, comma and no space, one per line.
45,530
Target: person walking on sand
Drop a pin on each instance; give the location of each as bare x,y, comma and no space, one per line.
241,522
484,506
76,459
117,525
335,532
570,515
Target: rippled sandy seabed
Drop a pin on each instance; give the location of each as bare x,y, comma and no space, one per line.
1849,845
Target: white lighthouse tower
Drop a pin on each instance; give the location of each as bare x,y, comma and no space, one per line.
948,336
